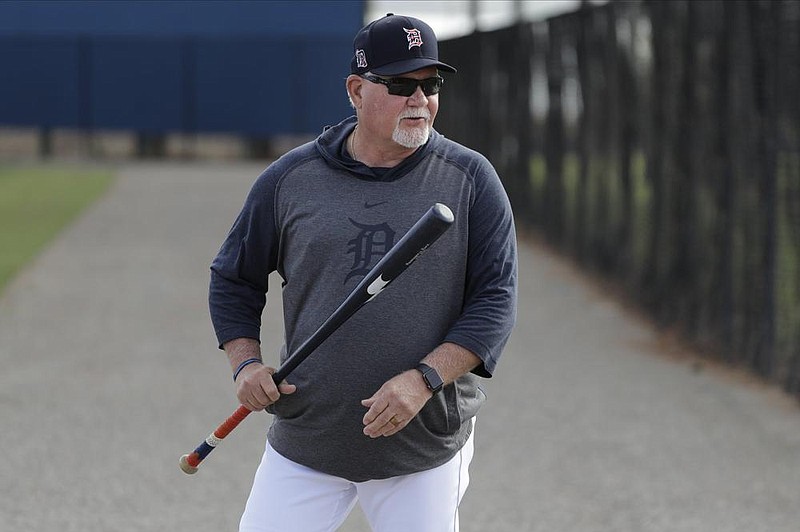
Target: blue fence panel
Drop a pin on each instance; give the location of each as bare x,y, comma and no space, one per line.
324,97
244,85
257,68
136,84
40,81
266,86
182,18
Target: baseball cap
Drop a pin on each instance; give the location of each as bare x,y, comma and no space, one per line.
395,44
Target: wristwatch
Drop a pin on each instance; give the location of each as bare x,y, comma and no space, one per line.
431,377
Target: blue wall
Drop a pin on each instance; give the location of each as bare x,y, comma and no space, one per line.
257,68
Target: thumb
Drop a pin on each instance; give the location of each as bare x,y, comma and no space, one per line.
286,388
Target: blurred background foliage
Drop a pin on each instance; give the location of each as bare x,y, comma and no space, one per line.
657,143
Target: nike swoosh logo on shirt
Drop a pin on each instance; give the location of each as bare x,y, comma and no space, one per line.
368,205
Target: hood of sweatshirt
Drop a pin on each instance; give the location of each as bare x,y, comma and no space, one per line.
331,145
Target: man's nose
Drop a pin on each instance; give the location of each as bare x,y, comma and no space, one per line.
418,98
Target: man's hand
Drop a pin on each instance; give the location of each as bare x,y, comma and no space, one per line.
395,404
255,388
403,396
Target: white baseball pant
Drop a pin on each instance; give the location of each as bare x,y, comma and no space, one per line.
289,497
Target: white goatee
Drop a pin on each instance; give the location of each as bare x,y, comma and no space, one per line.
412,137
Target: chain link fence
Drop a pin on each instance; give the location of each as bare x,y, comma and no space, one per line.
659,144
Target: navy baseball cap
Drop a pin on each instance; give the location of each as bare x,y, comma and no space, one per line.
394,45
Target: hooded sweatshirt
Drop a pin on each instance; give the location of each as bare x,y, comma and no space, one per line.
322,220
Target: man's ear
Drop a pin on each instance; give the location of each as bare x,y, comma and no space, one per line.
354,84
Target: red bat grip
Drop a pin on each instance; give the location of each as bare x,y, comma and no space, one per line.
232,422
190,462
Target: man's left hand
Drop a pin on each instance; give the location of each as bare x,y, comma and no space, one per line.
395,404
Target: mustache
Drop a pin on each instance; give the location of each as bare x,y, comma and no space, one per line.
416,113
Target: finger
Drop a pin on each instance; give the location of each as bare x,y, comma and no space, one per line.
375,409
374,430
396,422
259,398
270,390
386,421
251,395
247,405
266,391
392,427
253,404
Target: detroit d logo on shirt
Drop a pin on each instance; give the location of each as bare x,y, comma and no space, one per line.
414,37
369,245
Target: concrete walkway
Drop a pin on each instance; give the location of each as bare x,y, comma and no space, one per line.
110,372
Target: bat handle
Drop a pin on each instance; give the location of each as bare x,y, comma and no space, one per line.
190,462
282,372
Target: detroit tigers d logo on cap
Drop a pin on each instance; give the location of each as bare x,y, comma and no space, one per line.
414,37
361,59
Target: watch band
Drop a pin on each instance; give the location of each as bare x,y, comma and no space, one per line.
431,377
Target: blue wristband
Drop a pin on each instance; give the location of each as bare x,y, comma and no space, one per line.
243,364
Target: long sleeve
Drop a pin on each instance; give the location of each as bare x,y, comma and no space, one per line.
239,272
490,302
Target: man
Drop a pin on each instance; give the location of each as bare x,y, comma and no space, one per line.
383,412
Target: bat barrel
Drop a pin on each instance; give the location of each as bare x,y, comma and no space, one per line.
420,237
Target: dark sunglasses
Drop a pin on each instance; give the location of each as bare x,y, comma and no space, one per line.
407,86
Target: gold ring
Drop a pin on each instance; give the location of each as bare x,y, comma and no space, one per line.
394,421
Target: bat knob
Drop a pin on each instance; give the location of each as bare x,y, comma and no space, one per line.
184,463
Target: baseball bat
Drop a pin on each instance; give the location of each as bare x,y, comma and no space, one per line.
420,237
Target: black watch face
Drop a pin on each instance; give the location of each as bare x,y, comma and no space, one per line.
433,379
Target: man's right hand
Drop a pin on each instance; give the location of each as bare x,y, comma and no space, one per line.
255,388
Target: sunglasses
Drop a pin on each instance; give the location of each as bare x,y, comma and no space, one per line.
408,86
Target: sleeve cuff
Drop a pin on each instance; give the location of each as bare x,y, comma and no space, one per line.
226,335
486,367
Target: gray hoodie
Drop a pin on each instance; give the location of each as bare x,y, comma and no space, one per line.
322,220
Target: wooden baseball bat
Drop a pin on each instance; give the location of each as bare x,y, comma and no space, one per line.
420,237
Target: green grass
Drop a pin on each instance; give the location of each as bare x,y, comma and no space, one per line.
35,204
